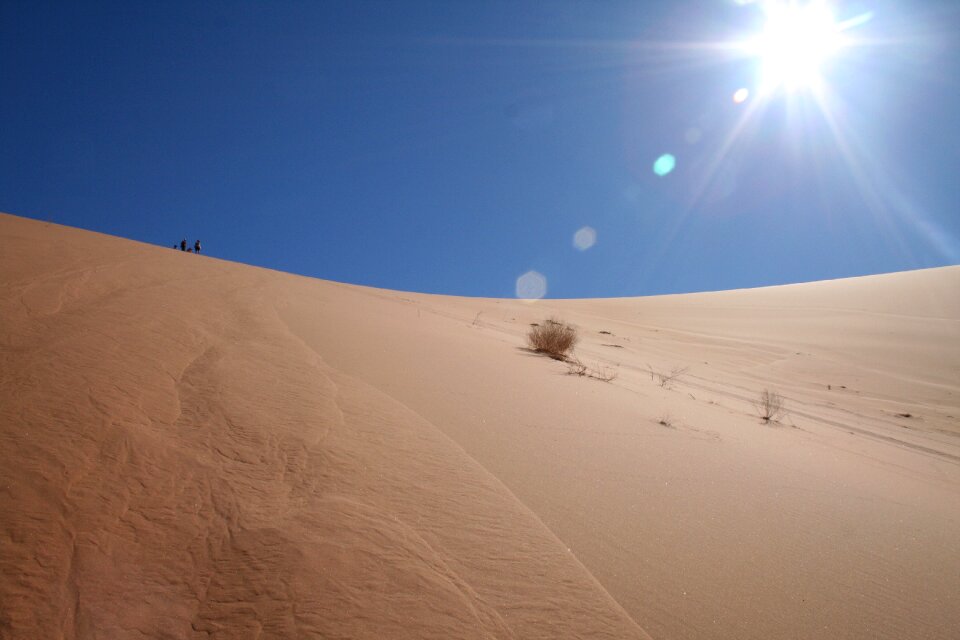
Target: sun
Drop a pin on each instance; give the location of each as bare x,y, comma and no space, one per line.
796,40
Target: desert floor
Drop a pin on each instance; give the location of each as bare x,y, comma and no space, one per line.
193,448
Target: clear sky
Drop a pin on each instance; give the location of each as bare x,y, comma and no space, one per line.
453,146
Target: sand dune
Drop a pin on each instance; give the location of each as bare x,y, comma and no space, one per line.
194,448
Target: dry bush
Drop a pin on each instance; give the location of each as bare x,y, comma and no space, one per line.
666,379
576,368
770,406
553,338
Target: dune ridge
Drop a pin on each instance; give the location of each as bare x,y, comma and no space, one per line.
194,448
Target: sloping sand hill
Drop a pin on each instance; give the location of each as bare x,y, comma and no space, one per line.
194,448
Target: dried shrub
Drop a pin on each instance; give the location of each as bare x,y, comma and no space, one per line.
770,406
576,368
666,379
553,338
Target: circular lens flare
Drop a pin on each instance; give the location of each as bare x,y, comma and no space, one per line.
584,238
664,165
741,95
531,286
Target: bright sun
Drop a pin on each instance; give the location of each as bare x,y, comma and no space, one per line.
795,42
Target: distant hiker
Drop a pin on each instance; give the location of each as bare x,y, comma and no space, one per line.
196,246
189,249
183,245
175,246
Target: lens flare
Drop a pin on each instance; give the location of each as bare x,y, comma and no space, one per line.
664,165
531,286
740,95
584,238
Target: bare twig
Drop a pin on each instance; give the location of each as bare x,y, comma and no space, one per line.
666,379
576,368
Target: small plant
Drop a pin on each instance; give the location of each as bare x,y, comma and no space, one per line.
576,368
666,379
770,406
553,338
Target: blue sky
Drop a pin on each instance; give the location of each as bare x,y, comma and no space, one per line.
451,147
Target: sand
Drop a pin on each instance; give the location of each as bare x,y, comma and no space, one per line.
193,448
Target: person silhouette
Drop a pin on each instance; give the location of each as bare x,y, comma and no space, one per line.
196,246
183,245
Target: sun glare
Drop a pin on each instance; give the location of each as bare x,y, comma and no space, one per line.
796,40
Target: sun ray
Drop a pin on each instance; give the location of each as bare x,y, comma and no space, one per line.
705,180
867,179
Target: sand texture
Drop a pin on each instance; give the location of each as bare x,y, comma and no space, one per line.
193,448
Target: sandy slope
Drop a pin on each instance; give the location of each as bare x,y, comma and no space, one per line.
193,448
177,463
